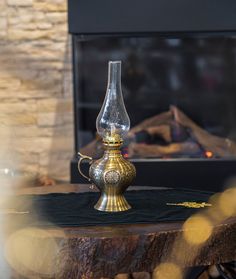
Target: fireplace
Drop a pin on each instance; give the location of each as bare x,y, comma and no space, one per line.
178,83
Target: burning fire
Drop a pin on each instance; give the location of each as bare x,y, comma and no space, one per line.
208,154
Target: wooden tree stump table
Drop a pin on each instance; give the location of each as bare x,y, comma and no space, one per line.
106,251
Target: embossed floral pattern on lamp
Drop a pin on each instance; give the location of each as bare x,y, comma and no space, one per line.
112,174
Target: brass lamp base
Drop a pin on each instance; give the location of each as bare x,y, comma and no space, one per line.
112,203
112,175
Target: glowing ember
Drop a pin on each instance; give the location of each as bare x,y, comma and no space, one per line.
208,154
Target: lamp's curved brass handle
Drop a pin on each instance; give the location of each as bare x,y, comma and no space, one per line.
84,157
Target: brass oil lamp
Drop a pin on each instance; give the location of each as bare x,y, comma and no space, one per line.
112,174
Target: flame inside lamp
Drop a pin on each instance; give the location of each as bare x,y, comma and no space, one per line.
113,122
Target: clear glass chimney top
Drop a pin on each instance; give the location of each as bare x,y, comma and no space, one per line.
113,120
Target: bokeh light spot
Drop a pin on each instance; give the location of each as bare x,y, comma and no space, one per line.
167,271
227,202
197,229
32,251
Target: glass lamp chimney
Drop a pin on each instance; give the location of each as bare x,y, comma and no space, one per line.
113,120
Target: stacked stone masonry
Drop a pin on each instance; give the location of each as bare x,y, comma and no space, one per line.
36,133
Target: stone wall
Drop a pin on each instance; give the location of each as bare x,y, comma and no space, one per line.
36,133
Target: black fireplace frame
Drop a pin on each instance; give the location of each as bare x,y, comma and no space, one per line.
88,19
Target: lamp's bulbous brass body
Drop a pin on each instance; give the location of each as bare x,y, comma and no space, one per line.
112,174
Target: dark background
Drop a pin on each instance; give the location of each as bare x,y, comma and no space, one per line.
195,74
201,60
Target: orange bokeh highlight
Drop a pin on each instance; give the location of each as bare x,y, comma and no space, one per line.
168,270
227,203
208,154
32,252
197,229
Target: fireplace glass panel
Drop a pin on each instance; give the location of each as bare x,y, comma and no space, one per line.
180,94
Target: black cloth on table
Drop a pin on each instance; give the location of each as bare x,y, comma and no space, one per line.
76,209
